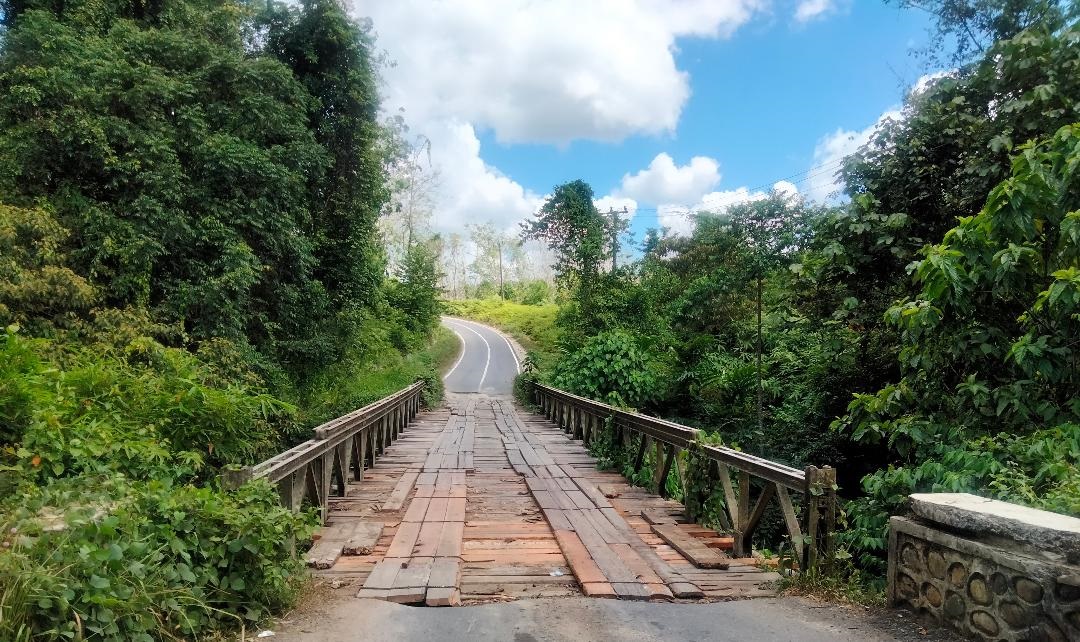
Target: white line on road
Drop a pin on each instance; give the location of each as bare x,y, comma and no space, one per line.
486,363
513,352
460,356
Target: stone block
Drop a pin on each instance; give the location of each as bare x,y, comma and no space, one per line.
985,590
1045,531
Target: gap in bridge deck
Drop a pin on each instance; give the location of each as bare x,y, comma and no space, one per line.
506,506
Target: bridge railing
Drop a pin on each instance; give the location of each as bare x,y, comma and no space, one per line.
321,467
811,532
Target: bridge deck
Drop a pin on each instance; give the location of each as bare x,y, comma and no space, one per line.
482,502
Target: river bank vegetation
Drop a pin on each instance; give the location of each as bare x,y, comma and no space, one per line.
190,277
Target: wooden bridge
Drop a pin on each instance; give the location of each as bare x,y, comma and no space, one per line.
485,500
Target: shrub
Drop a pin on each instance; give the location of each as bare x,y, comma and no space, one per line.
610,368
109,558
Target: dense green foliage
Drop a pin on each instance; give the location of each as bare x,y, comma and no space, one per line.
190,277
919,336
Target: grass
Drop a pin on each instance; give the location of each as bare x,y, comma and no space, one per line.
355,385
532,325
846,586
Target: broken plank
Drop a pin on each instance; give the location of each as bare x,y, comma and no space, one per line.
363,538
401,491
691,547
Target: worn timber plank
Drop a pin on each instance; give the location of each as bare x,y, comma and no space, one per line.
691,547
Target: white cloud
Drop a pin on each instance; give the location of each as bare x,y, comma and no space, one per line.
537,72
679,219
822,182
470,191
664,182
617,203
547,72
807,10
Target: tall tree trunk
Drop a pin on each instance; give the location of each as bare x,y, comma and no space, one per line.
502,284
760,389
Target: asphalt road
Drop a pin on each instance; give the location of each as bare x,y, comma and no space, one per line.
487,363
589,619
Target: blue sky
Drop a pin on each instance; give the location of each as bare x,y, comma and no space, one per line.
758,93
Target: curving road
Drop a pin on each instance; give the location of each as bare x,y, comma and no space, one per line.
487,363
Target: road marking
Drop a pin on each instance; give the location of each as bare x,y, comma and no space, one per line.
513,353
486,363
460,356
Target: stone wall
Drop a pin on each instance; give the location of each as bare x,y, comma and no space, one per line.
991,582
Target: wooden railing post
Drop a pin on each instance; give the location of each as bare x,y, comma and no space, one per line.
820,515
742,543
233,478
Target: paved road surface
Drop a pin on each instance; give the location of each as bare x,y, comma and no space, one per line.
589,619
487,363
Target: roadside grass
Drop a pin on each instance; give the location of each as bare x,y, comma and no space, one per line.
847,585
347,387
532,325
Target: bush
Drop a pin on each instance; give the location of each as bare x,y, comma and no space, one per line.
109,558
146,412
611,368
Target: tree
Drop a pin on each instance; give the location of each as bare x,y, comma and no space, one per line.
415,292
938,161
452,255
990,361
498,255
771,229
330,54
37,291
971,27
412,180
198,175
578,235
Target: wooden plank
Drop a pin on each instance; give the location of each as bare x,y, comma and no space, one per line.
404,540
445,573
363,538
324,553
450,542
455,511
383,575
443,597
436,511
691,547
599,589
577,557
401,492
792,522
657,516
417,509
427,543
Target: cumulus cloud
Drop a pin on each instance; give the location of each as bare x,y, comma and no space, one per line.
471,191
617,203
664,182
547,72
679,219
822,182
529,72
808,10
